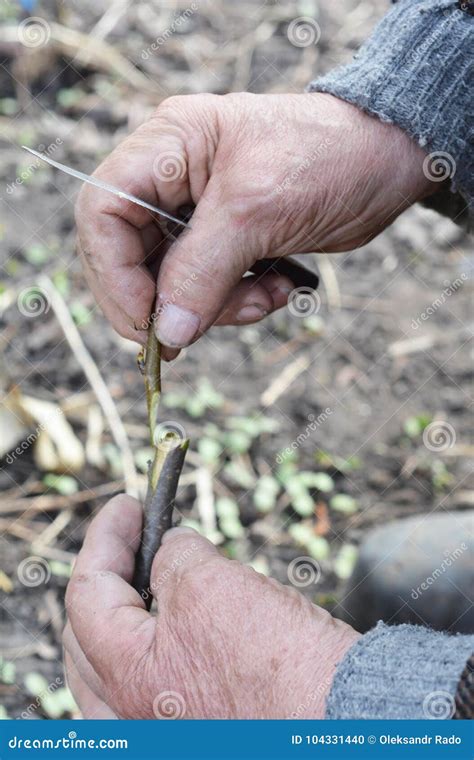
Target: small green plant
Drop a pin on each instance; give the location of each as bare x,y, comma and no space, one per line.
414,426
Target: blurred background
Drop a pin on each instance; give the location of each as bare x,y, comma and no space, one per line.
306,431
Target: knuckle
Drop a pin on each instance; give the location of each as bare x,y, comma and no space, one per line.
173,560
249,199
208,578
75,588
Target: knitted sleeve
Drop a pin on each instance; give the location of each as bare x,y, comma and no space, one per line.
399,672
417,71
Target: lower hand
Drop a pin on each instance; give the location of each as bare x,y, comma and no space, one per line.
227,641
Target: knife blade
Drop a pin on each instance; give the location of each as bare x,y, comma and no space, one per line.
105,186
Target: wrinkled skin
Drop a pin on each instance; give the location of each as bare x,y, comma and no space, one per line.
271,175
227,642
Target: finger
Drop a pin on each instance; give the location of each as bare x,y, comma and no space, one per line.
106,614
118,276
199,272
168,354
109,227
255,297
91,707
181,550
113,312
252,299
82,664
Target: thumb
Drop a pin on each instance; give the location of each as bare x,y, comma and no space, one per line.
200,272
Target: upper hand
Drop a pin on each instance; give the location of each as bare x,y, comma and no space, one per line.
270,175
227,641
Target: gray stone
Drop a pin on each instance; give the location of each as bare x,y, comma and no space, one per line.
416,570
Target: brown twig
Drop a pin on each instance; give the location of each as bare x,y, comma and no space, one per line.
48,502
95,379
158,514
163,473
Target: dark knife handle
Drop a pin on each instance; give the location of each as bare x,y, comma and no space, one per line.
298,274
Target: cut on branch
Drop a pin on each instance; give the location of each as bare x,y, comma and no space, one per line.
164,471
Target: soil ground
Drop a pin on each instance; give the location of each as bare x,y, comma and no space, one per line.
383,376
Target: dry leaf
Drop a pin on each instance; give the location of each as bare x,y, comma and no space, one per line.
57,448
5,583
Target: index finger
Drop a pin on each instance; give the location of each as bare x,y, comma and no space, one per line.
104,611
109,227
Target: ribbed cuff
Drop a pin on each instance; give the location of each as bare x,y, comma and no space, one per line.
416,71
399,672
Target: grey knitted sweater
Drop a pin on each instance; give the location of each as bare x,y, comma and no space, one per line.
416,71
403,671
